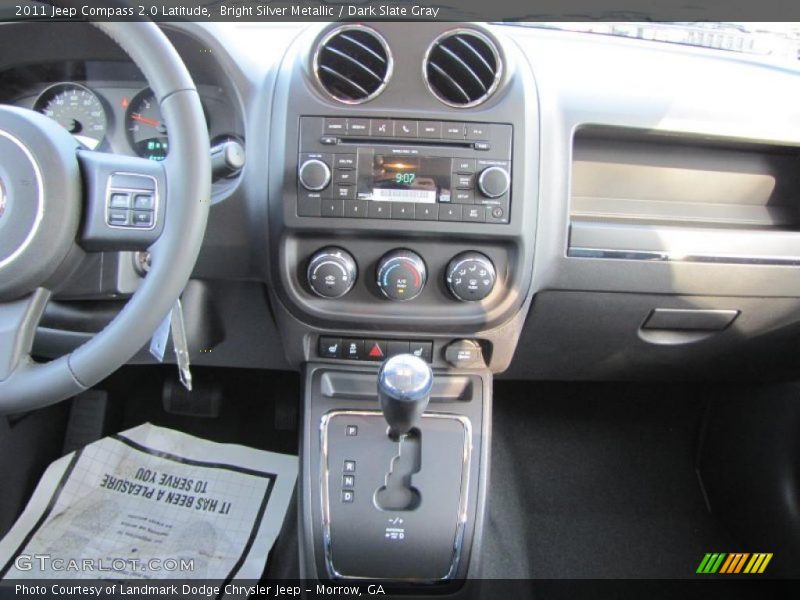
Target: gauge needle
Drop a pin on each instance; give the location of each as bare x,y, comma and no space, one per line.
145,120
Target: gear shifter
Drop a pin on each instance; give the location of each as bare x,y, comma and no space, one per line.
404,387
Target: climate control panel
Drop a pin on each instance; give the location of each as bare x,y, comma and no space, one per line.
401,275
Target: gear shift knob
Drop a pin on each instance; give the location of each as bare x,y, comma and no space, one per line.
404,388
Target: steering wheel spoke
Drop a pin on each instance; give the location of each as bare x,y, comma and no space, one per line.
124,201
18,322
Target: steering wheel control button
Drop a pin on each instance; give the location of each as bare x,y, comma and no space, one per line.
401,275
470,277
142,218
331,272
465,354
136,196
314,174
119,201
493,182
118,218
143,202
330,347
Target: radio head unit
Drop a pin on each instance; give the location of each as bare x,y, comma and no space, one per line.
400,169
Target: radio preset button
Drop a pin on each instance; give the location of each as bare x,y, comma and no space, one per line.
426,212
453,131
402,210
431,130
332,208
406,129
356,209
379,210
450,212
381,128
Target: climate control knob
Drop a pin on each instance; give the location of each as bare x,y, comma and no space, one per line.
331,272
401,275
314,175
493,182
470,276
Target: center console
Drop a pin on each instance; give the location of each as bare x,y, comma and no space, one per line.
402,224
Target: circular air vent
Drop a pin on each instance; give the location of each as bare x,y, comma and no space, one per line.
462,68
353,64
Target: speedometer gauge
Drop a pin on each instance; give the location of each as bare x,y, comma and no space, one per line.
147,133
77,109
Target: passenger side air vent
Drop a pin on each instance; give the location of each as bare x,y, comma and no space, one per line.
462,68
353,64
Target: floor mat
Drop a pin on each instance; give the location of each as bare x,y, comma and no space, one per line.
597,481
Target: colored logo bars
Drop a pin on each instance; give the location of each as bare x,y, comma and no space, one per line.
738,562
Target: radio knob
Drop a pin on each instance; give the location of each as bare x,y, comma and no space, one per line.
493,182
332,272
314,175
401,275
470,276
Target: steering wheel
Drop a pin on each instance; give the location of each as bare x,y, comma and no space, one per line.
58,201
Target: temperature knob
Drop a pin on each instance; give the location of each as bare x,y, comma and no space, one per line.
314,175
332,272
470,276
401,275
493,182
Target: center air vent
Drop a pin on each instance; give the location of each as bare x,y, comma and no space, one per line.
462,68
353,64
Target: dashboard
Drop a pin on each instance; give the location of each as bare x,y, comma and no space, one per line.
543,204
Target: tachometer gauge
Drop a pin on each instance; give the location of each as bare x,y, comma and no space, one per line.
147,133
77,109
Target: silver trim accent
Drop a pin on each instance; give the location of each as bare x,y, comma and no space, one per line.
330,254
156,199
483,174
40,200
461,259
498,75
325,498
402,254
659,256
353,27
327,176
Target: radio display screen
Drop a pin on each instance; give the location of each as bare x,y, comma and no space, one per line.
406,179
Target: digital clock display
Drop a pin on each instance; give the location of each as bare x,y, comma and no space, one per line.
406,179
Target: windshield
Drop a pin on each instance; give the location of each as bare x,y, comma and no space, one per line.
779,41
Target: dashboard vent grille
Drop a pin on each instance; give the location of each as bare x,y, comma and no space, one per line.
353,64
462,68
